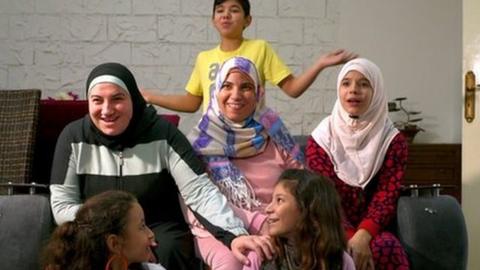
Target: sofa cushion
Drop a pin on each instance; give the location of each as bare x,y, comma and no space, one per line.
25,226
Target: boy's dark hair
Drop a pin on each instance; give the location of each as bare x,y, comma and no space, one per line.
244,3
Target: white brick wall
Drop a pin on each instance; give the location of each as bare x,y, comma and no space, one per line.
53,44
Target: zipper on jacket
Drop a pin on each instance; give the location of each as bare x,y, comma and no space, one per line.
120,155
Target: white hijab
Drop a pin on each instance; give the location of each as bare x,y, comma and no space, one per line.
357,147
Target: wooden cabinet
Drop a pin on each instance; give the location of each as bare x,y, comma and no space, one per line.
435,163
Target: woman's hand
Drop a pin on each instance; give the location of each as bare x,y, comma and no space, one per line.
261,244
359,249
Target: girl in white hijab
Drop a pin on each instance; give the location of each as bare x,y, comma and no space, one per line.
359,148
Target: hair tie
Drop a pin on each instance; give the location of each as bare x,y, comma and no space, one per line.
81,226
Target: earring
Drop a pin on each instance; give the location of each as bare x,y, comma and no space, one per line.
122,258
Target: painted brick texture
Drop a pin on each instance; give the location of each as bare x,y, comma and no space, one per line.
53,44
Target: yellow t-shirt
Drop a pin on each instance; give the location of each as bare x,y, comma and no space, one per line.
270,67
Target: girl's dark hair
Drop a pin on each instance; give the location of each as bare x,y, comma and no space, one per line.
321,239
80,244
244,3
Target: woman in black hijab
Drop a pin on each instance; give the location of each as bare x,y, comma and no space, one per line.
123,145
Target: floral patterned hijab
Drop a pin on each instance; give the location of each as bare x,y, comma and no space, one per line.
218,140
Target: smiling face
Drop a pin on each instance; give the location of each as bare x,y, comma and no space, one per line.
137,237
229,19
236,98
283,213
110,108
355,93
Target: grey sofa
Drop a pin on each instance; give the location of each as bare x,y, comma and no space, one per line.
25,225
430,226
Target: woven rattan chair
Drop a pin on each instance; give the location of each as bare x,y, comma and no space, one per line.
18,130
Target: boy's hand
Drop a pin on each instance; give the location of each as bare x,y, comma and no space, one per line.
336,57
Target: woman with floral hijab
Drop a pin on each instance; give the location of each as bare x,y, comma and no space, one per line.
246,147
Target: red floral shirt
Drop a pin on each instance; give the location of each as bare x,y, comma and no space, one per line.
374,207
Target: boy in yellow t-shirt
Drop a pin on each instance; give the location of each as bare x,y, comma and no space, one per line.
230,18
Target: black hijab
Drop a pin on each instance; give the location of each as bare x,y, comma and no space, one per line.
143,117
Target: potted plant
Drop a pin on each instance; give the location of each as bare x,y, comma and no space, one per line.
408,126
